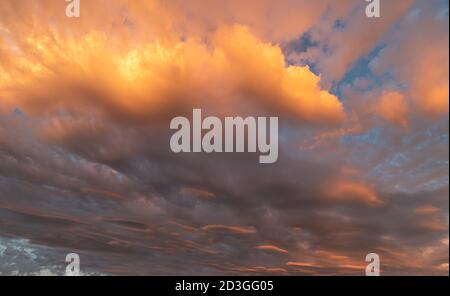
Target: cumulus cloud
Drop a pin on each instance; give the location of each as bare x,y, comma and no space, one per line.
148,81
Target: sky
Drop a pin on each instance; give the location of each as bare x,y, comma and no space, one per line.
86,166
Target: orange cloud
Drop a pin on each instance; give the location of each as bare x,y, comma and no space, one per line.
259,69
431,218
443,266
147,80
430,85
259,269
227,228
434,224
303,264
427,210
331,255
394,108
420,58
272,248
351,191
353,266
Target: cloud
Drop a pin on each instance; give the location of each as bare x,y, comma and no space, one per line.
155,80
278,21
200,193
85,163
356,37
393,107
302,264
420,62
348,190
231,229
272,248
426,210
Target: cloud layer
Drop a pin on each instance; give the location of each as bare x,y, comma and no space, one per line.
86,167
